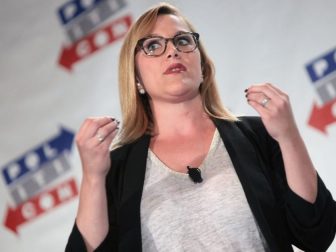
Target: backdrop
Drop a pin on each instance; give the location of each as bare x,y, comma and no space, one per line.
59,62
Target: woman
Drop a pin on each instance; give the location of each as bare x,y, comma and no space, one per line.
256,188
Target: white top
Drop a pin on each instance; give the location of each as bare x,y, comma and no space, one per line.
179,215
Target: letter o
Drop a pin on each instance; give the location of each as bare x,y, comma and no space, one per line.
83,48
28,210
32,161
46,201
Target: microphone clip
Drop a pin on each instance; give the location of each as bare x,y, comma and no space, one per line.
195,174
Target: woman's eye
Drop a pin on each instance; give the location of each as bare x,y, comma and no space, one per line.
152,46
183,40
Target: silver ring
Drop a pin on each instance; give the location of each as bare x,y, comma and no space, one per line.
264,102
100,137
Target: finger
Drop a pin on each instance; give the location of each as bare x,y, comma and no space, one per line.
259,97
278,93
110,137
105,130
90,120
277,97
259,108
106,141
276,89
266,88
91,125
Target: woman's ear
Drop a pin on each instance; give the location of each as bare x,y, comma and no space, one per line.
139,85
140,88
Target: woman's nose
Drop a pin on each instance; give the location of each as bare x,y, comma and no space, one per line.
171,50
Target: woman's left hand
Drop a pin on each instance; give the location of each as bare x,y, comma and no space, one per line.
274,109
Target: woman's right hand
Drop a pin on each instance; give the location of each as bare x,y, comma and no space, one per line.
93,141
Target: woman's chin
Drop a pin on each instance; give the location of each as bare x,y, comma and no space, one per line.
183,94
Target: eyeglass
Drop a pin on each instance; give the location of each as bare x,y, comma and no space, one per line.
156,45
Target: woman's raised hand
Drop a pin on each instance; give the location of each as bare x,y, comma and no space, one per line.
274,109
93,141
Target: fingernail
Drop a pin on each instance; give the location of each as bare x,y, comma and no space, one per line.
246,90
112,119
246,95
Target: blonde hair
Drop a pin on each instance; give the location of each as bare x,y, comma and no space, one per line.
136,112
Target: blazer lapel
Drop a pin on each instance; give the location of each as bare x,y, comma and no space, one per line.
133,180
249,170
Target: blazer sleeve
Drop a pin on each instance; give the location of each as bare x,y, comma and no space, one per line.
110,243
312,226
76,242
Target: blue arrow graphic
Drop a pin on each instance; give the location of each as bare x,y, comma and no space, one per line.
20,167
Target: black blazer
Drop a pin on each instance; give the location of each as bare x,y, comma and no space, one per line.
284,218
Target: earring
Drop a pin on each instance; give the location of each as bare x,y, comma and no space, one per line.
141,90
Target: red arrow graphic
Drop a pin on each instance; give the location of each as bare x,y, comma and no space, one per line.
68,57
90,44
323,116
13,219
40,204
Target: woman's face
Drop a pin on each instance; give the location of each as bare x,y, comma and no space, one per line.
174,76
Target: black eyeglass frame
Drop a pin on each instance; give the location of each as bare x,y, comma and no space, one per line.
195,36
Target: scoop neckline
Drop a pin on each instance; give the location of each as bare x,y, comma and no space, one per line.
159,162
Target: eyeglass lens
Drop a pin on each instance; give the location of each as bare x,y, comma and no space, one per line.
156,46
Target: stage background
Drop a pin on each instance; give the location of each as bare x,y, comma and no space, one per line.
59,63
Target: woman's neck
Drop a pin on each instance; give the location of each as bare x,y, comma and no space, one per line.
184,118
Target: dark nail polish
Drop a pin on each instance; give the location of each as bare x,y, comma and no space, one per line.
246,90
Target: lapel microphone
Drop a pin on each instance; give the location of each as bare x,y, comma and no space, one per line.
195,174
